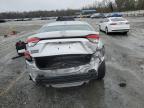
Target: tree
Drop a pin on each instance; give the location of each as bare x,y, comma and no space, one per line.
140,4
111,6
120,4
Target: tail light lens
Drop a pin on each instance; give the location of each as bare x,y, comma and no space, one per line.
33,41
113,24
94,38
27,56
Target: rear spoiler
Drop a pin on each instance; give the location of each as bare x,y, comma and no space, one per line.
66,37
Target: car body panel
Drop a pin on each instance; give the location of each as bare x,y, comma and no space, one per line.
62,43
121,26
61,47
65,45
68,84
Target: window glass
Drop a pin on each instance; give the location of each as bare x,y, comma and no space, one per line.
65,27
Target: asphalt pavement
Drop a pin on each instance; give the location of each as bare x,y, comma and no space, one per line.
122,87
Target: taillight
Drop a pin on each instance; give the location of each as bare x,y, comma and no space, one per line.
113,23
27,56
94,38
33,41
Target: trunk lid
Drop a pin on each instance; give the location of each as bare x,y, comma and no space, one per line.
62,43
62,61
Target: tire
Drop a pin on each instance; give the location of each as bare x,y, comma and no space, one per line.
36,83
101,71
30,78
125,33
106,31
100,28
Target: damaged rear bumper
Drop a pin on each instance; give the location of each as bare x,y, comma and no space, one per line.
83,73
91,74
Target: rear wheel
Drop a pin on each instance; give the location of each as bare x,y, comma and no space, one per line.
101,71
37,83
100,28
30,78
125,33
106,30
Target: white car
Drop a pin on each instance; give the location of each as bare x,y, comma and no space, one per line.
66,53
114,24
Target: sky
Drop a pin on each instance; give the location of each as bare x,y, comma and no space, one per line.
31,5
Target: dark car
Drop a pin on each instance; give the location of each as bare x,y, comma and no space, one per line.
98,15
115,14
65,18
2,21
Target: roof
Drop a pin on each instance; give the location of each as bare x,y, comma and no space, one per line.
66,23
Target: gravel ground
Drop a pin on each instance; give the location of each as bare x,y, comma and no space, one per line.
124,62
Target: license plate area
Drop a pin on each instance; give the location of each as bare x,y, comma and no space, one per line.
63,45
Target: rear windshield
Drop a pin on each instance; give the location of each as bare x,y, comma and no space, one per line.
65,27
117,19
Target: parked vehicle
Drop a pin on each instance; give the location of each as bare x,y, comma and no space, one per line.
45,18
98,15
65,18
65,53
86,13
114,14
2,20
114,24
